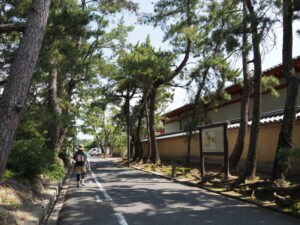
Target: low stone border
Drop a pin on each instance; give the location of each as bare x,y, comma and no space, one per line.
36,212
255,202
53,214
57,197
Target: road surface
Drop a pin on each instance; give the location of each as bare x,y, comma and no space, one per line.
116,195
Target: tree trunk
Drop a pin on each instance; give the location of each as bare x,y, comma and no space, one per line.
196,116
131,147
57,132
62,136
141,151
98,142
155,154
250,170
239,145
127,108
296,5
64,126
14,96
138,144
153,149
55,110
282,157
102,149
193,124
136,149
148,133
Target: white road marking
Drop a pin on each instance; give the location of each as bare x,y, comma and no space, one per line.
121,219
107,197
98,198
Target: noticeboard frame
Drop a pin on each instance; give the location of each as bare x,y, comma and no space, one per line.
204,150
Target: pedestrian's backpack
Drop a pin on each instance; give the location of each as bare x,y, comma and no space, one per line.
79,157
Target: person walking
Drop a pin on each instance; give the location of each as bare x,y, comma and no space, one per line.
81,164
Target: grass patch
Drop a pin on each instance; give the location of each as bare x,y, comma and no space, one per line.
8,198
296,207
11,203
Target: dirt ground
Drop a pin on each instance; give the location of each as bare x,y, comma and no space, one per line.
283,196
19,202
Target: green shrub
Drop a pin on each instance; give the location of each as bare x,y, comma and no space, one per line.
123,151
91,144
55,172
284,157
296,155
288,156
10,174
30,157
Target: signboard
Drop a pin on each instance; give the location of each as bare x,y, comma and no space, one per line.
213,141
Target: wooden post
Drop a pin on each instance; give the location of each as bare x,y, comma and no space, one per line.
202,168
173,169
226,161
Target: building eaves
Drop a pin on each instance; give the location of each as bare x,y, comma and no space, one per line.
179,110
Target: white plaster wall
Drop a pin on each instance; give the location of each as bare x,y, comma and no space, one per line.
271,103
172,127
225,113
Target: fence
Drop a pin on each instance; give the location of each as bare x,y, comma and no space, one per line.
174,146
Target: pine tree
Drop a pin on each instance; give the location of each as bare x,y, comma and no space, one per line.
14,96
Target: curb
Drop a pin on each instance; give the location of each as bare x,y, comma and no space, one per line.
50,203
257,203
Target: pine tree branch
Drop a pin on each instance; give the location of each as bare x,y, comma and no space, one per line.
72,83
296,6
2,82
10,27
185,59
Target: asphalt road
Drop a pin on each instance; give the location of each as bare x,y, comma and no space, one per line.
116,195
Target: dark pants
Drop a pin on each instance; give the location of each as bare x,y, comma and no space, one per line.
78,176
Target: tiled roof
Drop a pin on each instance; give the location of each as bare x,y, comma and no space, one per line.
168,135
273,117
